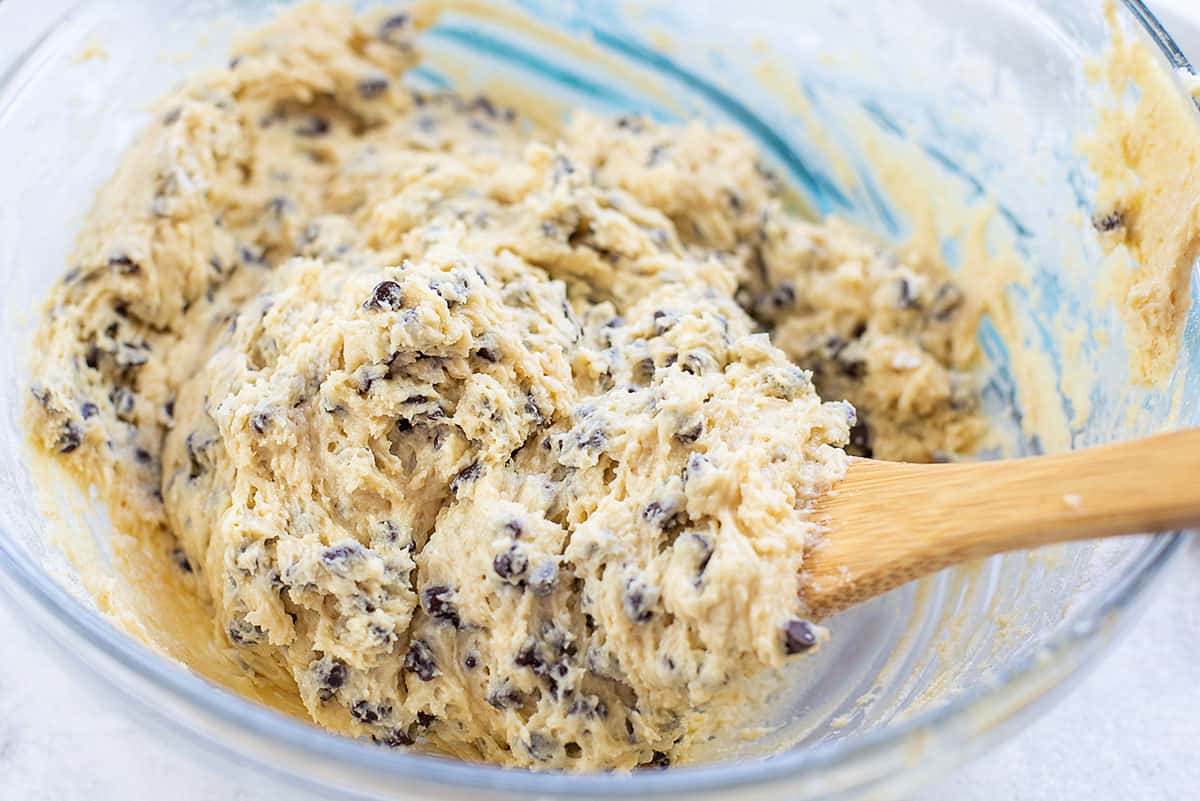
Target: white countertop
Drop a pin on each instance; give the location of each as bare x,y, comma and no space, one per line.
1129,731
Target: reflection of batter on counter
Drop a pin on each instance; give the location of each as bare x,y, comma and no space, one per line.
473,433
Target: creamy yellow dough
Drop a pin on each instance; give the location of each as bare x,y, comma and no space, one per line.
479,438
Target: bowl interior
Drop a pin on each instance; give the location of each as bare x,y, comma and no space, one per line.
954,126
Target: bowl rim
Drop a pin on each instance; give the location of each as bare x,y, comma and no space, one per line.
1071,646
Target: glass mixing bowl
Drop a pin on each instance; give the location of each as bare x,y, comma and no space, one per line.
990,97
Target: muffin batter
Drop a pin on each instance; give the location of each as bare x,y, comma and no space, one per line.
487,439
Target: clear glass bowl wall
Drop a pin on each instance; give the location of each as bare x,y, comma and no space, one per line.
993,92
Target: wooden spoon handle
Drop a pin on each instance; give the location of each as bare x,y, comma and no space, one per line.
892,523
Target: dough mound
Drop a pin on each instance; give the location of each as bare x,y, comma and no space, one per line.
476,434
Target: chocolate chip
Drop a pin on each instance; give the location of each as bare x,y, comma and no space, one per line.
1108,222
41,395
123,402
948,299
312,126
387,296
394,738
488,354
798,636
198,458
368,712
180,558
638,600
589,706
392,26
142,456
88,410
529,656
69,438
471,662
511,564
544,578
505,696
436,600
243,633
663,515
467,475
514,529
259,422
860,439
330,675
691,433
372,87
338,559
484,104
123,264
420,659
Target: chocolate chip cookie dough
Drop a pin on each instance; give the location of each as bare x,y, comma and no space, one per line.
483,439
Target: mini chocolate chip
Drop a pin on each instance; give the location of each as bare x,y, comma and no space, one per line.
244,633
484,104
394,738
92,357
471,662
123,402
89,410
664,515
69,438
259,422
392,25
1108,222
169,407
860,439
312,126
372,87
505,696
420,659
180,558
798,636
946,302
368,712
906,294
691,433
468,474
488,354
331,677
41,395
511,564
658,759
514,528
387,296
141,456
529,655
544,578
123,264
339,558
638,600
425,719
436,600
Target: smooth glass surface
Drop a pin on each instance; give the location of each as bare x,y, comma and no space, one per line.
991,93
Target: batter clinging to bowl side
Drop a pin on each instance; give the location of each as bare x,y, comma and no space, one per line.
472,432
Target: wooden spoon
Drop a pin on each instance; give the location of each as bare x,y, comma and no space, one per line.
890,523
